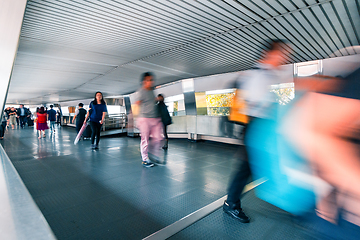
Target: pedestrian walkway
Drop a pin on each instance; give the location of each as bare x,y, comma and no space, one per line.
107,194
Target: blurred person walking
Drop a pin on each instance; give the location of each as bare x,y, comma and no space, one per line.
12,117
165,119
325,128
3,126
149,121
23,114
256,86
41,123
7,112
52,118
58,116
80,115
97,112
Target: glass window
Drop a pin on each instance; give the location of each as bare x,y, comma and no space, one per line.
176,105
65,111
113,110
306,69
214,103
285,92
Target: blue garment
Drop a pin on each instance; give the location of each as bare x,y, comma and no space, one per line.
97,111
52,115
270,154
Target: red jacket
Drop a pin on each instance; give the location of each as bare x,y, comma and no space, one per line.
42,117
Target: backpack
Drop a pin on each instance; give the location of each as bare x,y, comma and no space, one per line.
238,108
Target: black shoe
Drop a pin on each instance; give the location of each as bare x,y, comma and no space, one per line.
147,164
166,145
96,147
235,212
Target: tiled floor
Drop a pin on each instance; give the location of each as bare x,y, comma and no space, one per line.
107,194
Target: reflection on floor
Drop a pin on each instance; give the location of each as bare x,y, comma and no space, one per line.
107,194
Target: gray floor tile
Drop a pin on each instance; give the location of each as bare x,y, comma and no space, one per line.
108,194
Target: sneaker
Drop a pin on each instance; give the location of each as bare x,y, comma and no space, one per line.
235,212
96,146
147,164
92,146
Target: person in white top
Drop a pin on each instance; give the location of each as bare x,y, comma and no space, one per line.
256,86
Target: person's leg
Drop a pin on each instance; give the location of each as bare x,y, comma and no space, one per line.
39,134
143,125
98,129
232,205
93,132
156,131
165,132
238,182
12,122
22,121
166,145
4,128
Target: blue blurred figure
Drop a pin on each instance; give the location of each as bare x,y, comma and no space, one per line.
259,99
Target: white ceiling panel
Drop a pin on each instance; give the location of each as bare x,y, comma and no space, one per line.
70,48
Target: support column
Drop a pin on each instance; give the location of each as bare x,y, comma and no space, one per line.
130,118
11,18
190,108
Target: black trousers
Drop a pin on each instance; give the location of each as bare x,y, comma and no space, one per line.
22,121
240,176
78,127
165,132
2,128
95,128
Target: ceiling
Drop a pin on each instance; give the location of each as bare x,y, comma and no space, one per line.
71,48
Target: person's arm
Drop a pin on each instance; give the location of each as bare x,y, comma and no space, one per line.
87,116
103,117
318,83
103,114
88,113
76,113
74,118
139,97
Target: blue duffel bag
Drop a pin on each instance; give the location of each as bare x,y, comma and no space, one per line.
271,157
